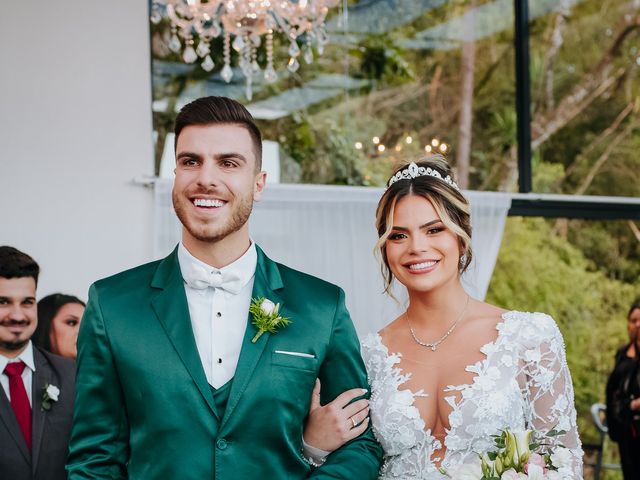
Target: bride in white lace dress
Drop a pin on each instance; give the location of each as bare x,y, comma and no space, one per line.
451,371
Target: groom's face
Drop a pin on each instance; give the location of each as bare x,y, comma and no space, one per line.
216,180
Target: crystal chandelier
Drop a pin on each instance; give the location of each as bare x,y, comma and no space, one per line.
247,21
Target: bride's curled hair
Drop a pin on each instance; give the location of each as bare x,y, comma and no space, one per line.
450,205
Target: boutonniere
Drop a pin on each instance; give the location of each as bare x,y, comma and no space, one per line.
266,317
50,394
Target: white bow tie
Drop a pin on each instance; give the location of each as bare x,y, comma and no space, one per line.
200,278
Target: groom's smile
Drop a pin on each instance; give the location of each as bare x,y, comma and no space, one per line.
208,203
209,207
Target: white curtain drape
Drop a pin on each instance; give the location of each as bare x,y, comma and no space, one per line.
328,231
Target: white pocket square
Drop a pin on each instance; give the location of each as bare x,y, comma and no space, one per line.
295,354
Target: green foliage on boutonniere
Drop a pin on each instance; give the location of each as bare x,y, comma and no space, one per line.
266,317
50,393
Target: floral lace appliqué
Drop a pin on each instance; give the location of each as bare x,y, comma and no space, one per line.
523,382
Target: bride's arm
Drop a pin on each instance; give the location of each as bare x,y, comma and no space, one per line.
549,391
329,427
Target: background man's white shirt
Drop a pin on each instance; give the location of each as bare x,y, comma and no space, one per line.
27,375
219,318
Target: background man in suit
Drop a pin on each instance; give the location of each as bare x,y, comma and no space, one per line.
173,380
36,398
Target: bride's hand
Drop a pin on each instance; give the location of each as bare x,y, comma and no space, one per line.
330,426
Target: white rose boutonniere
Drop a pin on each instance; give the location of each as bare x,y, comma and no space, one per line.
266,317
50,394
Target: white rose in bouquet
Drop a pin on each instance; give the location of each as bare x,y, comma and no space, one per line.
467,471
561,458
535,472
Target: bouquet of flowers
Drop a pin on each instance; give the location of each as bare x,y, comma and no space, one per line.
519,455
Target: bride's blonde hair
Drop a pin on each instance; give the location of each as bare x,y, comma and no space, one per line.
450,205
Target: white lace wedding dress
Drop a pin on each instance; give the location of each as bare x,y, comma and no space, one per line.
523,382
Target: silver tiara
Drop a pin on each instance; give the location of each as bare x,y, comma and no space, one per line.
414,171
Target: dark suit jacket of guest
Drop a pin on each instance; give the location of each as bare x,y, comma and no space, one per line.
50,429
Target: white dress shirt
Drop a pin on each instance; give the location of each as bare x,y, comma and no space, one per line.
219,318
27,375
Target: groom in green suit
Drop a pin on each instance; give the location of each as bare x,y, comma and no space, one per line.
172,383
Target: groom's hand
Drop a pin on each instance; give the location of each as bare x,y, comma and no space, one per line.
330,426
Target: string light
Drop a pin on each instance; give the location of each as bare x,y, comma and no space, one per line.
435,145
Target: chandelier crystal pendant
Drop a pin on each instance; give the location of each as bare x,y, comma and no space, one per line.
247,21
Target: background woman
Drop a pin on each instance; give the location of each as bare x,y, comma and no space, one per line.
623,398
59,318
451,371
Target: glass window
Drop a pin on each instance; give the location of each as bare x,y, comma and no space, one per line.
584,88
396,79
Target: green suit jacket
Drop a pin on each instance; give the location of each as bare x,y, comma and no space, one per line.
144,409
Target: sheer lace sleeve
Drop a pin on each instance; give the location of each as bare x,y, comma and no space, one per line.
549,389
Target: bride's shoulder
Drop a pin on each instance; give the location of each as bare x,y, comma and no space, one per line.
539,320
374,344
530,328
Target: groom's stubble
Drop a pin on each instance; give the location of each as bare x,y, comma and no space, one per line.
217,229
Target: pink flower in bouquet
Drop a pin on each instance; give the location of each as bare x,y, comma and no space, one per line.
535,459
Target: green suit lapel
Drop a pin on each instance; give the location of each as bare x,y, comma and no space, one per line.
170,305
266,283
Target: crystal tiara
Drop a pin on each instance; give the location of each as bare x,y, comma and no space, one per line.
414,171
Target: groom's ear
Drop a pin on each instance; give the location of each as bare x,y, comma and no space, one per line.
258,185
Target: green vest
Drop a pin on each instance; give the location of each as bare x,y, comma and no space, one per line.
221,396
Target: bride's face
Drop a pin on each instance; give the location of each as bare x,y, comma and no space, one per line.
422,252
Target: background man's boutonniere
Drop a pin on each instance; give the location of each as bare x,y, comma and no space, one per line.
266,317
50,394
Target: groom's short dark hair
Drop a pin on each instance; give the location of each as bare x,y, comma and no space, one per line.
212,110
16,264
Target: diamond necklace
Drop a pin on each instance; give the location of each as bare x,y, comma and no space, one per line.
433,346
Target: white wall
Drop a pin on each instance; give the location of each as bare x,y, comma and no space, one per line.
75,129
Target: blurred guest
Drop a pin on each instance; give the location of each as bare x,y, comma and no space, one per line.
59,318
623,398
37,393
